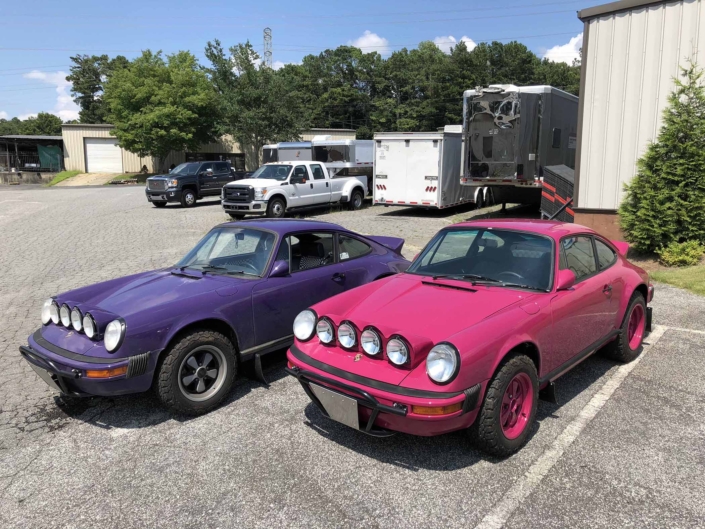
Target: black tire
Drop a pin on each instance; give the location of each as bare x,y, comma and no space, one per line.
276,208
355,200
159,204
173,370
487,432
619,349
237,216
479,202
188,198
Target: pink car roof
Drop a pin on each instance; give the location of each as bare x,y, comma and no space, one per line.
551,228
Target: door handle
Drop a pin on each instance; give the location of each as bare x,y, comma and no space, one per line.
338,276
311,186
607,289
326,184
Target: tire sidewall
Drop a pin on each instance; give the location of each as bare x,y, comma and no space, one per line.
170,368
159,204
184,202
270,208
357,193
636,300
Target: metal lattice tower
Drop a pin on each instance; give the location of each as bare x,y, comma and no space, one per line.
268,47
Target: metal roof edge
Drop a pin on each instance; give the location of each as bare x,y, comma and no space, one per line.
88,125
617,7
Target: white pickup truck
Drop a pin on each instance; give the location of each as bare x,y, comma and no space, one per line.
277,187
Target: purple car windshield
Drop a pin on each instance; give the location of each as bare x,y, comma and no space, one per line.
228,250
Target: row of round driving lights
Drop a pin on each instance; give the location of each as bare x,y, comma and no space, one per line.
63,315
57,314
442,362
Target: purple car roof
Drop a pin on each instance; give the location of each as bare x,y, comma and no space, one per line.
285,225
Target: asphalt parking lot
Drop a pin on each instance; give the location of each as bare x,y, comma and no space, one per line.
625,446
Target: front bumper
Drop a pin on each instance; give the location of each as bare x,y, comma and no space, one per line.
65,371
256,207
382,413
168,195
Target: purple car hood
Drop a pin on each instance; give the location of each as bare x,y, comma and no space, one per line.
137,293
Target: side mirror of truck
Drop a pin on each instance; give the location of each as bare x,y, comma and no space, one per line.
297,179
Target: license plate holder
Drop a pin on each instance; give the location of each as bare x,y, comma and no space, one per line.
46,377
338,407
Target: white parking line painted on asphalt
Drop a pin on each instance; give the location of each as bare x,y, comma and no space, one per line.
503,509
682,329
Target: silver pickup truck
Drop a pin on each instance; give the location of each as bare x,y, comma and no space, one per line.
277,187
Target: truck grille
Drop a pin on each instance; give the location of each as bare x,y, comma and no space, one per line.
239,193
156,185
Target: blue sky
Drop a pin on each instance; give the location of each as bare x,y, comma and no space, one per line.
38,37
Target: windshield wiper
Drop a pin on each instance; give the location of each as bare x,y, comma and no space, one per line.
517,285
474,277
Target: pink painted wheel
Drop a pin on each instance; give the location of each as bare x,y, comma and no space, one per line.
636,326
517,403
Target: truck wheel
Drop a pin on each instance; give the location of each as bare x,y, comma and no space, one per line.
356,200
159,204
627,346
188,198
508,412
276,208
237,216
479,203
197,372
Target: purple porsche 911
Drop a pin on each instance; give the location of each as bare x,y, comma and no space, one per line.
185,329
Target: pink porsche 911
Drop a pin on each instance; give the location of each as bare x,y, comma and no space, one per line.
489,314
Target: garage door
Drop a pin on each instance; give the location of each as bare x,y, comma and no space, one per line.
103,155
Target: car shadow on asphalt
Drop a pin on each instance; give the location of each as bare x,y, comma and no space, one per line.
454,450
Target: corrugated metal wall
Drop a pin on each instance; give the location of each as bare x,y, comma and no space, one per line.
75,156
631,60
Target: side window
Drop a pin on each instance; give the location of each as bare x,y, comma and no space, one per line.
311,250
579,256
221,167
283,252
349,248
205,167
605,254
300,170
318,173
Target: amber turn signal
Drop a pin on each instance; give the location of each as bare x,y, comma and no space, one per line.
437,410
106,373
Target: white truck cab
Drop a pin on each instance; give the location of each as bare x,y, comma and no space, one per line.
277,187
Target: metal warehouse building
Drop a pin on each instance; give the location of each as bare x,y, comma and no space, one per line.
632,50
91,149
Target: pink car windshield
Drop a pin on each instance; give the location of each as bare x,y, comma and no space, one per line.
502,257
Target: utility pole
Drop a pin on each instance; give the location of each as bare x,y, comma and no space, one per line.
268,47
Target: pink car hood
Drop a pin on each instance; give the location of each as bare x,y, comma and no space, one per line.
418,308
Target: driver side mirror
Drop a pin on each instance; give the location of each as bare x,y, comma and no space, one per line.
566,280
280,269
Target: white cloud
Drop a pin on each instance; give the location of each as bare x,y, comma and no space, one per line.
448,42
65,108
22,117
276,65
369,42
3,114
567,52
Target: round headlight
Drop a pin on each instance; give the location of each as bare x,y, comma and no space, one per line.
89,326
305,324
442,363
371,342
113,335
54,312
76,319
346,335
397,352
46,311
324,329
65,315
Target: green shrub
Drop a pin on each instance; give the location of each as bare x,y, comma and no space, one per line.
681,253
665,202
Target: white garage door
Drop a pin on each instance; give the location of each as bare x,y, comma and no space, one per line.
103,155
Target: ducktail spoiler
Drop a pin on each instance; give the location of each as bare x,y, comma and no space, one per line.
393,243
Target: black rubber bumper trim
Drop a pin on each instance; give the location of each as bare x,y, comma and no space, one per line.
383,386
472,397
71,355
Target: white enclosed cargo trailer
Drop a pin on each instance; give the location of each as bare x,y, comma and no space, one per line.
420,169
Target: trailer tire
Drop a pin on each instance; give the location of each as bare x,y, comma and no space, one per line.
356,200
479,201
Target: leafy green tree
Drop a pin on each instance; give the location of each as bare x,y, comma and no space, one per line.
10,126
665,202
159,106
44,124
257,105
88,76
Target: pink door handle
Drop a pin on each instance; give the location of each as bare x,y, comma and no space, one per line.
607,289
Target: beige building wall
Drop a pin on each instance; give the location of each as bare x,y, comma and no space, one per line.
632,51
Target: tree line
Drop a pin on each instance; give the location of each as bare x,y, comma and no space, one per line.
159,103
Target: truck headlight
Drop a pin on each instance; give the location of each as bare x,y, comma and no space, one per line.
442,363
172,183
260,193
